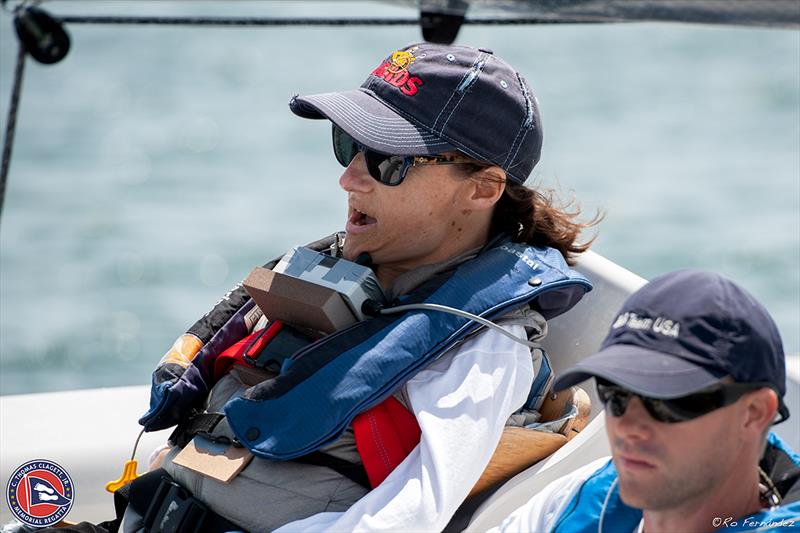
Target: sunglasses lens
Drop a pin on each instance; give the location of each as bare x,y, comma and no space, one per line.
387,169
391,170
693,406
616,401
663,411
374,161
345,148
613,398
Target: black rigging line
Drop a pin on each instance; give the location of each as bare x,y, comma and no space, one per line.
11,122
260,21
211,21
233,21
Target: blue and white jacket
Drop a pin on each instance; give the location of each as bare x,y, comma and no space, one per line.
588,500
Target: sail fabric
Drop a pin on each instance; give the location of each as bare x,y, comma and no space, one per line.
775,13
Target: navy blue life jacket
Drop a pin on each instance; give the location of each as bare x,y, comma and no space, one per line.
349,371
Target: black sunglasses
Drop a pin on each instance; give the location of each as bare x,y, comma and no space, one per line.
387,169
616,399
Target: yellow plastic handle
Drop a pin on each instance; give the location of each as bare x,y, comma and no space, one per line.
128,475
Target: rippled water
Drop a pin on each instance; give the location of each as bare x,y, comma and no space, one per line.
155,166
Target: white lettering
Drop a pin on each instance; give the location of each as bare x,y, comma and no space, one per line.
638,322
620,321
660,325
785,522
527,260
666,327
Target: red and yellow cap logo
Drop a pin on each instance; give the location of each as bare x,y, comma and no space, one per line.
395,71
401,60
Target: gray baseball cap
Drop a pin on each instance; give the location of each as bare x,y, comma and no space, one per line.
428,98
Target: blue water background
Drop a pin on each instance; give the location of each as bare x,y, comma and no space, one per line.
155,166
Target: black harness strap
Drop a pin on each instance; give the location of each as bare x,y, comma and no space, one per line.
201,423
286,342
204,424
353,471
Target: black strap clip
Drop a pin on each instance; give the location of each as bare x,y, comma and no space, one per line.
195,424
174,510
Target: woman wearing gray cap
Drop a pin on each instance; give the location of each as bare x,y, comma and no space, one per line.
437,144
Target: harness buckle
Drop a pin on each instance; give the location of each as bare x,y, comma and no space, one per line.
174,510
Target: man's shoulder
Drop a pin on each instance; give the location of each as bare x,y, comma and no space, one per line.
559,498
599,471
594,499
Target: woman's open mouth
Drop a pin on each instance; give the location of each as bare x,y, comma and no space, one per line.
359,221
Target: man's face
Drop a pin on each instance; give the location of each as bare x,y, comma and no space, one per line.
417,222
664,466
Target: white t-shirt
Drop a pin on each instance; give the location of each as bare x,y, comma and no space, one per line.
461,403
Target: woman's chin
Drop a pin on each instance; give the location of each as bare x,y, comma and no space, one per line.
351,252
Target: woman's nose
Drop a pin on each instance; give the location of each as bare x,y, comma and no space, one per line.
355,177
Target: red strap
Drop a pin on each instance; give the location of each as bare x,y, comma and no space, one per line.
250,346
385,435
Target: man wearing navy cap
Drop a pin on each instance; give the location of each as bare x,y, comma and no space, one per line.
692,376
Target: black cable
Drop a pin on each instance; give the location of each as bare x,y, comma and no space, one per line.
256,21
220,21
234,21
11,123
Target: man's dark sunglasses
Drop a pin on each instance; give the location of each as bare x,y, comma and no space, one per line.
616,399
388,169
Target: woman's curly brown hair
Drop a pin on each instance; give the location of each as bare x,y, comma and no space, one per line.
536,217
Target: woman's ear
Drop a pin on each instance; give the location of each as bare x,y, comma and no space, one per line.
488,186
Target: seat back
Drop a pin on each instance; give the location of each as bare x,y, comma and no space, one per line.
572,337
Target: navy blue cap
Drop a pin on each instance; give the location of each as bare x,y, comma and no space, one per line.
683,332
427,98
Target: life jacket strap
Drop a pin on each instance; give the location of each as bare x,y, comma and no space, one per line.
542,383
200,423
204,424
385,435
355,472
245,350
266,348
271,352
